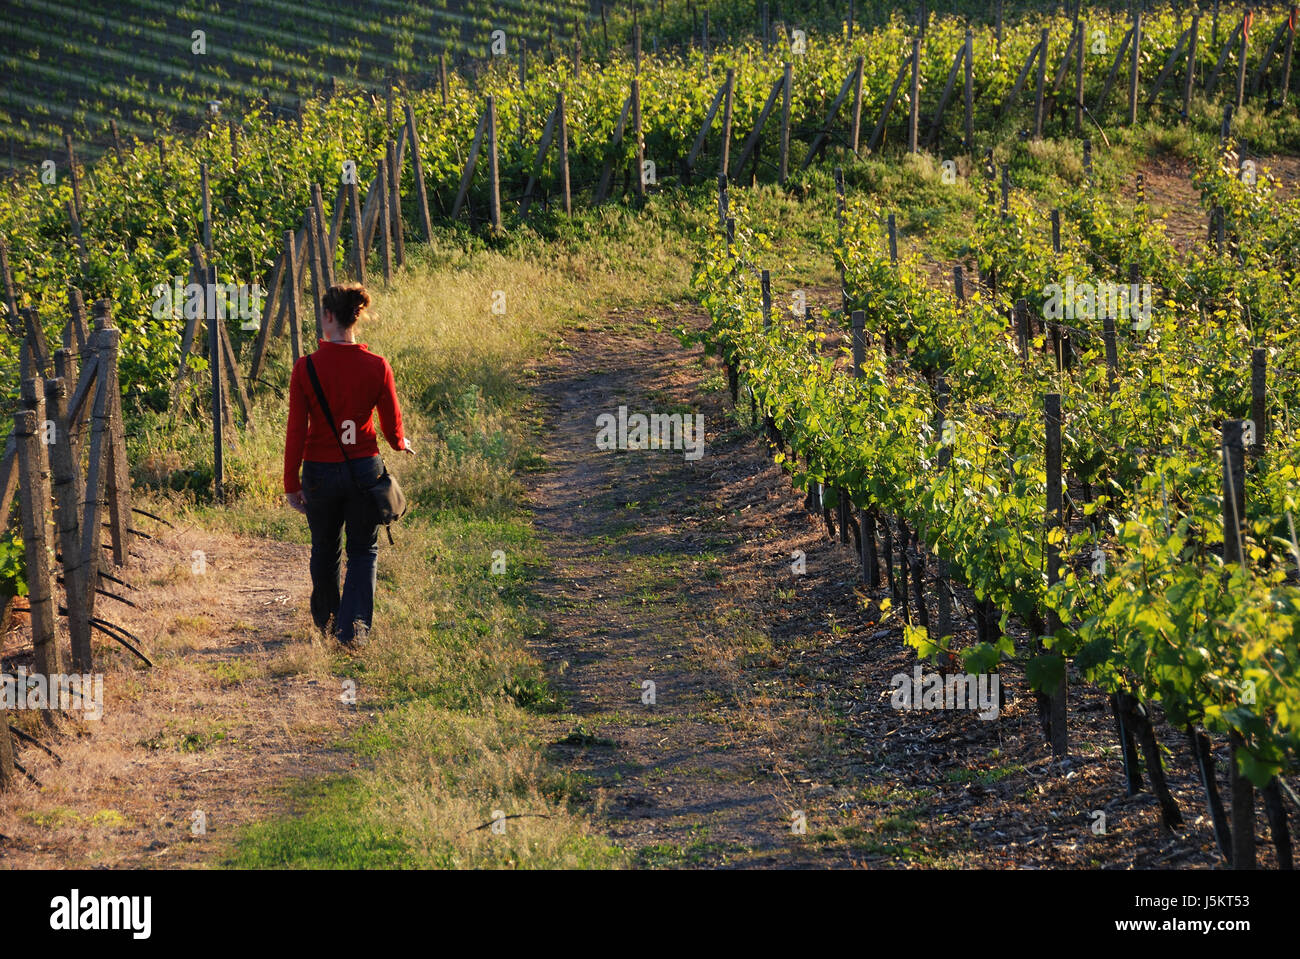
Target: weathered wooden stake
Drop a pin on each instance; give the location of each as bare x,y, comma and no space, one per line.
943,572
787,91
1259,398
494,176
1239,96
1040,86
417,167
34,495
1213,82
7,771
1234,493
66,487
1022,329
752,141
467,174
218,410
72,172
914,107
293,310
1112,354
385,230
12,318
1057,699
1112,73
563,133
324,248
1190,78
969,91
358,247
1078,77
1243,807
317,271
395,205
855,131
638,141
937,122
207,210
1293,21
1135,53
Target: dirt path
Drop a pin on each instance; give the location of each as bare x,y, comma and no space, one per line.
239,705
772,689
710,772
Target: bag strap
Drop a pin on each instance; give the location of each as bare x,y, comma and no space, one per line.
324,406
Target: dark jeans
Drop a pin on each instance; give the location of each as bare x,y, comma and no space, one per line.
335,502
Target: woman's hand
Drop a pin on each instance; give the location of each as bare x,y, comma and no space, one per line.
406,445
298,501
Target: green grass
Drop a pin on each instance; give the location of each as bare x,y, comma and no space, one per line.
327,836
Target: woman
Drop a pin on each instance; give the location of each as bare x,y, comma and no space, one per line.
332,490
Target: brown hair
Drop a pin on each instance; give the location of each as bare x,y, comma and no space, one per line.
347,301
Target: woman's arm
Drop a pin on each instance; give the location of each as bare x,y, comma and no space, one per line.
390,413
295,433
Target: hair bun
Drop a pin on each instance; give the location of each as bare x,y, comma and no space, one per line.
347,301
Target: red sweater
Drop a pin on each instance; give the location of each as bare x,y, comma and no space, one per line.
355,381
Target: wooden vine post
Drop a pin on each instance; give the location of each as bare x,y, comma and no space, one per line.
385,231
866,520
1190,77
786,95
1292,24
1078,77
34,491
563,133
324,241
218,408
207,208
1135,53
1259,399
1058,731
293,306
494,181
1040,85
1239,95
358,245
471,162
6,751
395,204
914,106
942,584
1234,533
101,373
638,142
948,87
417,168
